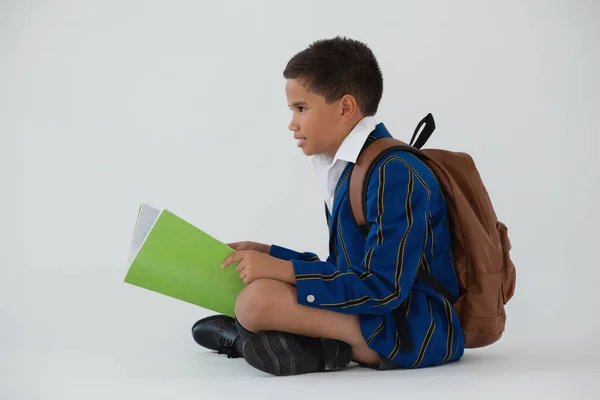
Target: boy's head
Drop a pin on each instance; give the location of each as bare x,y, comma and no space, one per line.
331,86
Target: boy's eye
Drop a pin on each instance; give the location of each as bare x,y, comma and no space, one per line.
300,108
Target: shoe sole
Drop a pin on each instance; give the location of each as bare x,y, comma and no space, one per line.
283,354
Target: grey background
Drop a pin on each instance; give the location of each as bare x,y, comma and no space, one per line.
181,104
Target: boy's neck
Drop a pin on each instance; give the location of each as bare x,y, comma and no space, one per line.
351,125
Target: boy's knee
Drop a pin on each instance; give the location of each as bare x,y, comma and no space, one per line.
253,304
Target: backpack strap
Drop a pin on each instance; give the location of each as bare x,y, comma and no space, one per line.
428,279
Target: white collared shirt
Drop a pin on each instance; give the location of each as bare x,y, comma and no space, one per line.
329,170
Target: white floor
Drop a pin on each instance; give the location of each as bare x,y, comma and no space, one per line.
187,372
161,373
87,336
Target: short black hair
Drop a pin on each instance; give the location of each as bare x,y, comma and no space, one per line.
335,67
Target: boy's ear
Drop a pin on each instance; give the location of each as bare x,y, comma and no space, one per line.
349,107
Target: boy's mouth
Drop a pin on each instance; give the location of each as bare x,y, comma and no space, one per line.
300,139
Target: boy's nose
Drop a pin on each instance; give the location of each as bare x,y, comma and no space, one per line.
293,126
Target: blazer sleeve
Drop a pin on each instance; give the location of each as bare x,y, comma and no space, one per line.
397,205
289,255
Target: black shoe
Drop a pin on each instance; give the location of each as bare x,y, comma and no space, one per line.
281,353
218,333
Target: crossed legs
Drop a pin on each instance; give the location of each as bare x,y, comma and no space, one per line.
271,305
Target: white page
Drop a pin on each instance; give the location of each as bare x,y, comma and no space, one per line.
146,219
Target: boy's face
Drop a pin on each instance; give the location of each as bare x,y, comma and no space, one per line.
317,126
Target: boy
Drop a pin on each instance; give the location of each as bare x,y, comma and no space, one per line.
299,314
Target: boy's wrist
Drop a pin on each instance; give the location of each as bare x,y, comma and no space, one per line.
285,273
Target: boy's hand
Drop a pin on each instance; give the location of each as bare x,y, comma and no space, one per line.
244,246
253,265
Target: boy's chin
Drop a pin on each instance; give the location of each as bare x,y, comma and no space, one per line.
309,150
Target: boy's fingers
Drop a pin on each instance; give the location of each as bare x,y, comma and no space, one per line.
235,257
240,267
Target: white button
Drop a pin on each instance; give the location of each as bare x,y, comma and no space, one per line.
310,298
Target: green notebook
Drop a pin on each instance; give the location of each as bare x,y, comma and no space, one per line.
170,256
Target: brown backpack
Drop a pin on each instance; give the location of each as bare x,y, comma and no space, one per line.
486,273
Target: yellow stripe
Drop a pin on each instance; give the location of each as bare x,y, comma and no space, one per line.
380,196
368,260
408,301
343,244
335,275
455,351
432,235
426,340
375,332
450,341
341,182
426,264
396,348
411,168
400,257
426,233
365,275
350,303
330,277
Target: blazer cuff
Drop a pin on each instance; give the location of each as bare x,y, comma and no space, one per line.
283,253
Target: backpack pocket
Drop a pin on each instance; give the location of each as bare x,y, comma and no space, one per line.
508,272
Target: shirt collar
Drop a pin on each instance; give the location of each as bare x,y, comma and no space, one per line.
353,143
350,148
